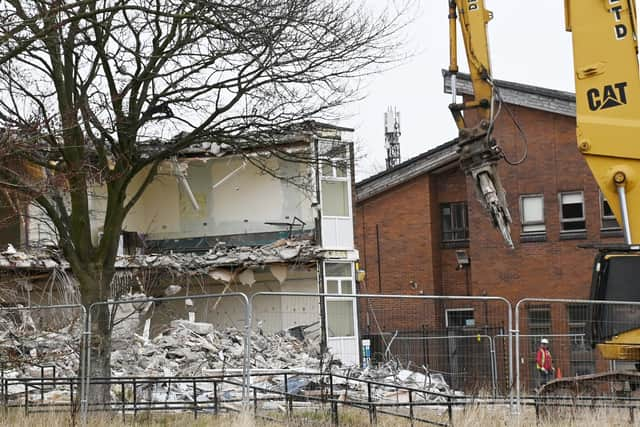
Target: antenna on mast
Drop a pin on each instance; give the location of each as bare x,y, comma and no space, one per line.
392,137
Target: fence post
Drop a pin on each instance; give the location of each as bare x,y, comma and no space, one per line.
122,391
195,400
255,401
2,395
334,413
425,355
42,383
330,386
450,410
411,406
286,395
372,409
135,399
26,398
215,396
5,397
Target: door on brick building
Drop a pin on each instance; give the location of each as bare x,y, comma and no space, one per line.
457,321
341,313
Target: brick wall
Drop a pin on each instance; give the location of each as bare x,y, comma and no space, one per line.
407,218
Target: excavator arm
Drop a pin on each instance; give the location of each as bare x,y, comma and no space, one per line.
478,151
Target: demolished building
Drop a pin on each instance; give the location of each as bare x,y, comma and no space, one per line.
221,220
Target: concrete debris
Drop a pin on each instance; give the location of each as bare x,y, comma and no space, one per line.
212,262
185,348
172,290
40,259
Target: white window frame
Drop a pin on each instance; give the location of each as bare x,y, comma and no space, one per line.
604,217
522,222
450,310
346,297
335,178
564,221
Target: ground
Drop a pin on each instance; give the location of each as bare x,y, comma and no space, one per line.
473,416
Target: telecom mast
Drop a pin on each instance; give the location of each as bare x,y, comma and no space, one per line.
392,137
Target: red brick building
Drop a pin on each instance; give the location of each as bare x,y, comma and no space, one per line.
420,229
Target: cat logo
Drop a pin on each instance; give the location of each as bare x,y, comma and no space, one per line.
611,96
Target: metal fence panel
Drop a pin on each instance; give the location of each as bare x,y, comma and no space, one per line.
405,344
168,352
40,349
573,328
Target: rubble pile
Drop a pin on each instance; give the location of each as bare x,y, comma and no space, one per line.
388,384
186,349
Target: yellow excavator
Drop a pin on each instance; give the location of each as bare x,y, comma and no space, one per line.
607,85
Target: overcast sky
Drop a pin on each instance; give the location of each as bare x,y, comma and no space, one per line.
528,44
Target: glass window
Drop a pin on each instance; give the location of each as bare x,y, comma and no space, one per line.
337,269
539,322
460,318
454,221
335,198
582,360
572,212
347,286
332,286
577,316
608,220
340,318
532,209
333,160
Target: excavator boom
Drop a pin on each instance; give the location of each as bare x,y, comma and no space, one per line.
478,152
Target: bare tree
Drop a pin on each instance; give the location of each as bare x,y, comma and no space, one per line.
99,92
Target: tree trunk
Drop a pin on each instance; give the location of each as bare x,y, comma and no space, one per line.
95,287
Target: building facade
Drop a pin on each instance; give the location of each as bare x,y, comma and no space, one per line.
420,229
216,220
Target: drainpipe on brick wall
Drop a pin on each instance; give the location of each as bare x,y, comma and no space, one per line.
467,269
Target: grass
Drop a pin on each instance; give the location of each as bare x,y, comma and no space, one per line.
471,416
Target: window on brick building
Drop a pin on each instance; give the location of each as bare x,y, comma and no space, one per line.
582,359
539,323
532,213
539,326
459,317
572,216
608,220
454,221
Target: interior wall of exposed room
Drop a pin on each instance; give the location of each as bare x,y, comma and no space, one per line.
271,313
234,197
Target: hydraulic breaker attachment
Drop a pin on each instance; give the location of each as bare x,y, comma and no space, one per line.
479,155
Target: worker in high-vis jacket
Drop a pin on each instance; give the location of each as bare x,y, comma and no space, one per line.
544,362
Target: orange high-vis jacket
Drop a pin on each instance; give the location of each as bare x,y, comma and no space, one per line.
543,359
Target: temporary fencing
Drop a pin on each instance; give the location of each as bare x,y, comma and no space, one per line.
396,351
204,351
39,355
573,328
169,346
